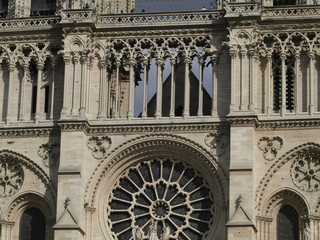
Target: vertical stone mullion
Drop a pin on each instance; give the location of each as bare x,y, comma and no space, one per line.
214,105
186,107
173,88
311,82
269,85
74,110
116,107
200,90
130,113
233,54
158,112
296,81
51,97
23,83
283,84
84,61
12,67
108,86
87,102
252,78
67,61
145,88
242,88
102,102
40,67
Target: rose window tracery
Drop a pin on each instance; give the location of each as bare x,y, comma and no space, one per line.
306,172
11,178
160,199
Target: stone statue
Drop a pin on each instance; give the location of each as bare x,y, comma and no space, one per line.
138,234
307,232
166,233
153,230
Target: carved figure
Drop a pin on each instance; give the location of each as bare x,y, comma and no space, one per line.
307,232
153,230
138,234
166,233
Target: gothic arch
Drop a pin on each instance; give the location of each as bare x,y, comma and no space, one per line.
13,157
277,165
148,147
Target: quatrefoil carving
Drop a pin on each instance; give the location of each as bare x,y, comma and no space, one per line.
270,146
99,146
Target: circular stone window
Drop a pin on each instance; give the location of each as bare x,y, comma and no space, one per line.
305,171
11,178
160,199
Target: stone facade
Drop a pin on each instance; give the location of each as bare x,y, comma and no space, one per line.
229,139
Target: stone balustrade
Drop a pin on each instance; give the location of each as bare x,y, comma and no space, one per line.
29,22
283,12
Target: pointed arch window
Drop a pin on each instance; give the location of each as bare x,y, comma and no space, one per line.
287,224
32,225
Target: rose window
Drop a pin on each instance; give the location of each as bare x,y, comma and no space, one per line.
306,172
11,178
160,199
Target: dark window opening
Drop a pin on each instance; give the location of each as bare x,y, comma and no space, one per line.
43,7
287,224
3,8
32,225
277,82
46,98
34,99
284,2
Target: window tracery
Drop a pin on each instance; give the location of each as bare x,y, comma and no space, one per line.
161,194
11,178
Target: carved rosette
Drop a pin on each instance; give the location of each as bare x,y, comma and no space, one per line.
216,143
160,199
11,178
49,153
99,146
305,171
270,147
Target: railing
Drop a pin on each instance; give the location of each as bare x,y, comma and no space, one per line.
241,7
290,11
160,17
29,22
76,14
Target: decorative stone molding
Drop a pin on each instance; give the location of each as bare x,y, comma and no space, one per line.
305,170
49,153
243,121
282,124
7,155
28,133
290,155
11,177
99,146
270,146
148,143
216,143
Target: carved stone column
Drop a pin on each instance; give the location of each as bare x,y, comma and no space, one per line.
146,66
159,64
200,90
269,85
283,84
173,88
38,101
311,82
51,97
12,67
75,89
130,113
88,88
233,54
296,81
67,62
84,62
117,97
23,83
102,92
252,77
186,107
242,87
214,106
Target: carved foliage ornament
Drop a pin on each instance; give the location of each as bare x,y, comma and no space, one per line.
11,178
49,153
305,171
270,146
216,143
99,146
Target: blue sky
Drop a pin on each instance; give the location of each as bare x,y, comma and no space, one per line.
171,5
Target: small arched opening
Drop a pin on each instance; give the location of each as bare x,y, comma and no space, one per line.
287,223
32,225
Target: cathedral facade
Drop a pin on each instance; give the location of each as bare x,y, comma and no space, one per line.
194,125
